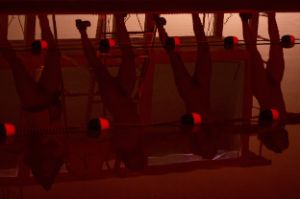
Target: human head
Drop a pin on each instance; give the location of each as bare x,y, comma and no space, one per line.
275,138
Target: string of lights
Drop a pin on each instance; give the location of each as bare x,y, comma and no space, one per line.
104,45
97,126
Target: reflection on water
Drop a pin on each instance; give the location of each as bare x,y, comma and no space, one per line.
238,104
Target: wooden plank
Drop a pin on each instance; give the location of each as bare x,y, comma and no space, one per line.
143,6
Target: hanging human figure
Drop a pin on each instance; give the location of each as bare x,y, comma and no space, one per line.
265,80
193,89
115,92
39,95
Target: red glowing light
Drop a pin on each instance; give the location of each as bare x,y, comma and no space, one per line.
288,41
10,129
112,42
235,40
275,114
177,41
292,38
104,123
230,42
197,118
44,44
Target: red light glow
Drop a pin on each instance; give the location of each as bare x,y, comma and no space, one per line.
10,129
235,40
44,44
292,39
177,41
104,123
112,42
275,114
197,118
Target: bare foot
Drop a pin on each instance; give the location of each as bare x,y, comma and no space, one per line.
82,25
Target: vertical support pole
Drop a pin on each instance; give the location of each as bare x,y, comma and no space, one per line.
4,24
54,27
64,105
146,87
101,28
29,37
248,95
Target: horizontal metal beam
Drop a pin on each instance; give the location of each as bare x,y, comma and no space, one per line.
144,6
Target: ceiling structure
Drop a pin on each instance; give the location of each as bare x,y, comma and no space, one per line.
144,6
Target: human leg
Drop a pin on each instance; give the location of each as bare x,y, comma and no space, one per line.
51,77
253,24
202,72
26,87
275,64
102,74
110,91
163,35
264,87
183,80
248,33
127,70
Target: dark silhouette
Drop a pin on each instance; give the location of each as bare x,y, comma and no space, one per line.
204,142
129,148
87,156
275,139
37,94
266,81
195,89
45,156
115,92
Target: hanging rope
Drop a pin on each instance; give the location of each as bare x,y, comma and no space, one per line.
204,20
11,20
227,19
108,24
139,21
20,23
127,18
209,29
54,27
